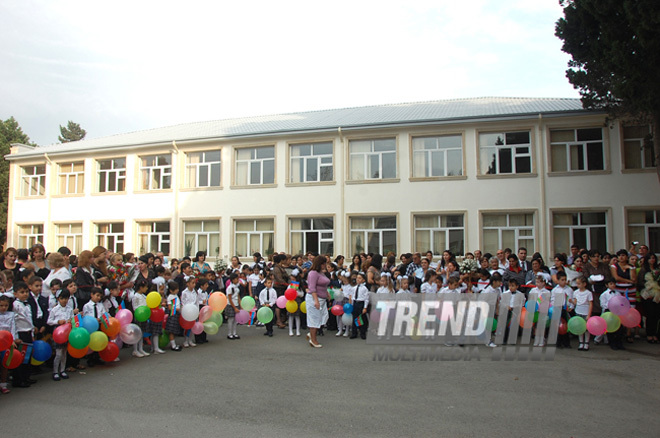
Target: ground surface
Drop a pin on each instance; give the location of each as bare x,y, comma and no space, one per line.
279,386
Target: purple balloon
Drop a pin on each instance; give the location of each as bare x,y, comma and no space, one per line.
281,302
619,305
124,316
243,317
597,326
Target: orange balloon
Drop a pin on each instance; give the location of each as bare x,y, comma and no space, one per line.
523,317
218,301
78,353
114,326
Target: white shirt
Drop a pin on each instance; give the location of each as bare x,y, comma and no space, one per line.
605,298
253,279
139,300
202,297
568,293
268,296
234,293
361,294
88,309
384,290
40,312
429,288
446,290
189,297
160,281
110,303
59,313
23,316
7,322
491,290
583,298
403,291
174,298
63,274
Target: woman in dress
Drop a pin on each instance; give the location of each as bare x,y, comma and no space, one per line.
316,299
38,259
625,276
8,261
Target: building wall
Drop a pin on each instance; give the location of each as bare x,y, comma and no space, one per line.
540,192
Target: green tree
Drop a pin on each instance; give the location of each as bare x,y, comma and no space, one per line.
10,132
615,46
72,132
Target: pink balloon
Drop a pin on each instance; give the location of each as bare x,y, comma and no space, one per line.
204,314
337,310
198,328
597,326
281,302
619,305
124,316
242,317
631,319
61,333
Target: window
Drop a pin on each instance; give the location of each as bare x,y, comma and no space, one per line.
111,236
644,227
255,166
635,155
505,153
33,181
586,230
156,172
314,234
437,156
112,175
71,178
438,233
502,230
373,234
28,235
154,237
311,162
69,235
372,159
254,235
576,150
201,236
203,169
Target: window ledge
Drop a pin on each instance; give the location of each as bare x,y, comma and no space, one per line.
254,186
641,170
305,184
508,175
68,195
373,181
200,189
23,198
581,173
123,192
152,191
437,178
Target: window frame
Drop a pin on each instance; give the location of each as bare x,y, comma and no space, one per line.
62,238
65,176
584,148
116,170
372,153
514,154
415,177
249,162
571,228
28,180
624,140
165,172
102,239
645,226
529,242
440,229
29,239
319,231
304,159
254,231
209,165
207,233
365,232
163,238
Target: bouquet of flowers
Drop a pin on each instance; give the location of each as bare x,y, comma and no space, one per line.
469,266
121,273
652,286
220,264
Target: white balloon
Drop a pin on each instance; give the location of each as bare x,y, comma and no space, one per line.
347,319
130,334
339,295
190,312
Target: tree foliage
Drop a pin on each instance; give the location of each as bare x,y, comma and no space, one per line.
615,46
72,132
10,132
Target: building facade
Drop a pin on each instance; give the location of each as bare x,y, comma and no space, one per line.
482,173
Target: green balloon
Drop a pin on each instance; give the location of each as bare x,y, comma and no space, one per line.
163,340
265,315
216,318
247,303
79,338
142,313
577,325
210,328
612,320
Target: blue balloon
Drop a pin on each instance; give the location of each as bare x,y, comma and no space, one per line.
90,323
531,304
550,310
348,308
41,351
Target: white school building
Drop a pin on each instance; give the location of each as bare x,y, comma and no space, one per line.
460,174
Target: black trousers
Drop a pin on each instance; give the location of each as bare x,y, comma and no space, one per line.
358,306
652,311
22,373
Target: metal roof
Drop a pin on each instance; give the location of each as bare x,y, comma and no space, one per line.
439,111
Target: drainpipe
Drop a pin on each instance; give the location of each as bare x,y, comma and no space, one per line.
544,242
49,207
174,249
342,183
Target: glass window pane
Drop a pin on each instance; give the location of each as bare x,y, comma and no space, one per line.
558,158
438,163
269,172
241,244
357,241
426,221
361,223
384,145
595,156
517,137
580,237
598,236
454,163
491,139
193,226
373,242
255,172
487,161
245,225
523,165
389,165
255,243
357,167
323,148
491,241
561,136
386,222
508,239
439,242
312,169
297,243
593,218
422,240
215,175
389,242
494,220
456,242
505,161
589,134
374,166
266,152
360,146
265,225
244,153
323,224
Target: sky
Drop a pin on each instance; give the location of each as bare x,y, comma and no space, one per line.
122,66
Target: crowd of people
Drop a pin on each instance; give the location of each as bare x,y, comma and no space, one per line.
42,291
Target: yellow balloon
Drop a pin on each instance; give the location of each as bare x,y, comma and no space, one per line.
303,307
35,362
153,300
291,306
98,341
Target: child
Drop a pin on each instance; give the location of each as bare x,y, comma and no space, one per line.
563,341
616,338
55,288
360,304
39,305
386,286
202,299
71,286
60,314
253,281
8,323
233,307
583,301
403,286
24,329
94,308
295,316
9,283
189,296
452,286
484,281
348,290
160,282
140,299
494,286
429,286
268,298
174,309
111,304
